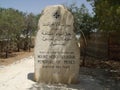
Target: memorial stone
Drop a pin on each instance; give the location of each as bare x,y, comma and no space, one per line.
57,55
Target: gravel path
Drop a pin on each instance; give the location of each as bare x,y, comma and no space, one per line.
19,76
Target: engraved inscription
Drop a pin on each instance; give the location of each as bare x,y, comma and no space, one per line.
47,59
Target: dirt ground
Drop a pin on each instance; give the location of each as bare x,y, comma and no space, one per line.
102,63
90,62
113,66
20,76
15,56
95,75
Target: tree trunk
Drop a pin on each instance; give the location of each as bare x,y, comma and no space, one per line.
29,48
25,45
18,47
85,46
30,43
6,52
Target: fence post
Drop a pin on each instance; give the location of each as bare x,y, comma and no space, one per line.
108,46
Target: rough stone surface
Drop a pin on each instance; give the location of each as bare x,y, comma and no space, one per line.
57,55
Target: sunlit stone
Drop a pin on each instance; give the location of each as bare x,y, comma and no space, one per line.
57,55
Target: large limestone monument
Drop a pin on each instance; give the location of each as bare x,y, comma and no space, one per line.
57,55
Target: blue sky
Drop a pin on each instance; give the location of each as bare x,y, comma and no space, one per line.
36,6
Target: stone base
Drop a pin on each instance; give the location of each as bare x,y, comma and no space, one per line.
53,80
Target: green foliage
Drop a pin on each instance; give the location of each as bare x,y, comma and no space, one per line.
30,25
15,27
107,13
11,21
83,20
30,28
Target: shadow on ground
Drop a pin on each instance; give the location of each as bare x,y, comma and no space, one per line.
90,79
30,76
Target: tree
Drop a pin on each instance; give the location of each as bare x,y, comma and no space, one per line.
107,13
30,28
84,24
19,25
83,20
11,23
5,28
